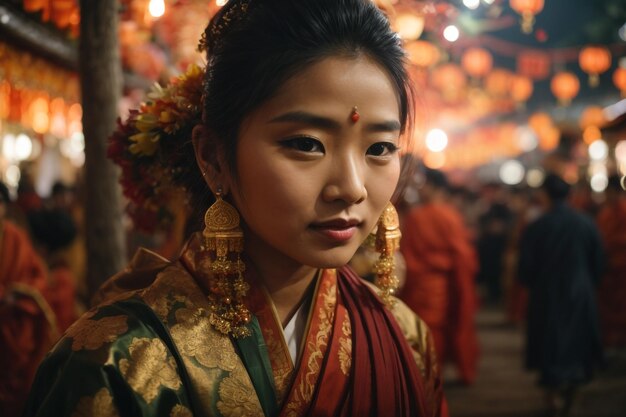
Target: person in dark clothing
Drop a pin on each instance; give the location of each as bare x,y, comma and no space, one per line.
561,262
495,229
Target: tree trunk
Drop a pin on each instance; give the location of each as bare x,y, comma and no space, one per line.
101,84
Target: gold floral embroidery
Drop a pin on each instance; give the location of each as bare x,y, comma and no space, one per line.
195,337
204,382
91,334
100,405
171,286
180,411
235,394
415,332
149,367
345,346
215,357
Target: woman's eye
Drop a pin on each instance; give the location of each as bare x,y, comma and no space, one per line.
304,144
382,149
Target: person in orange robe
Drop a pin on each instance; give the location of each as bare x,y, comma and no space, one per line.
27,322
612,292
441,265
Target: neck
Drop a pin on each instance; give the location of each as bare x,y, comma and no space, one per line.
285,279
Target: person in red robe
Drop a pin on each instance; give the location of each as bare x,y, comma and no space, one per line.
441,265
612,292
27,322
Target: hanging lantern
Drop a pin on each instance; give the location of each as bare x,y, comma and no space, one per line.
521,89
565,87
594,60
592,116
527,9
534,64
539,122
409,25
477,62
619,79
498,82
422,54
450,80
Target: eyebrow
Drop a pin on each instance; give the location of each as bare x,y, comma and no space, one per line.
331,124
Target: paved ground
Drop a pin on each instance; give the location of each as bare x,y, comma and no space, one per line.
505,389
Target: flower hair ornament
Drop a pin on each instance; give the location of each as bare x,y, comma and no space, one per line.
150,149
153,146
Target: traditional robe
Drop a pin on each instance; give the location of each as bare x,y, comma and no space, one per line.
440,270
149,350
612,293
561,261
27,322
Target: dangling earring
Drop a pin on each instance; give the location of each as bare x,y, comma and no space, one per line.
223,239
387,243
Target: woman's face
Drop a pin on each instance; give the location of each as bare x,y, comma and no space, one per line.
311,182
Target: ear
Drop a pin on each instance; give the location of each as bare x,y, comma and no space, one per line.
211,158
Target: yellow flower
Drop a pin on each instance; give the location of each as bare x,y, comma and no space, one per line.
144,143
147,122
166,117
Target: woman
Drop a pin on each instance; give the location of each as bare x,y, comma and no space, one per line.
304,103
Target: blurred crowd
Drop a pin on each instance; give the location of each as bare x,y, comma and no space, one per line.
552,257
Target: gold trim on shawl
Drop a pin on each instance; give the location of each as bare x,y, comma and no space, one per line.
316,339
345,346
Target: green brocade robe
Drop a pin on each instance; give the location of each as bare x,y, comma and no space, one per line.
148,350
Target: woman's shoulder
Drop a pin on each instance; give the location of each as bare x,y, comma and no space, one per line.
413,327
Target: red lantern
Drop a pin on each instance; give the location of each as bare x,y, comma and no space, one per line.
565,87
528,9
619,79
422,54
594,60
534,64
477,62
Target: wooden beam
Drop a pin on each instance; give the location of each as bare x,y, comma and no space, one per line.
21,30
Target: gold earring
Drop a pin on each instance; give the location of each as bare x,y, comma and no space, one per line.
223,240
387,243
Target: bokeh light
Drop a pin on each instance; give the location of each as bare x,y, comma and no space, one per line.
598,150
512,172
436,140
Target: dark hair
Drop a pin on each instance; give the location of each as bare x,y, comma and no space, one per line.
254,46
52,228
556,187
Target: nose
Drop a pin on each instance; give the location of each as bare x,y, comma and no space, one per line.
346,181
